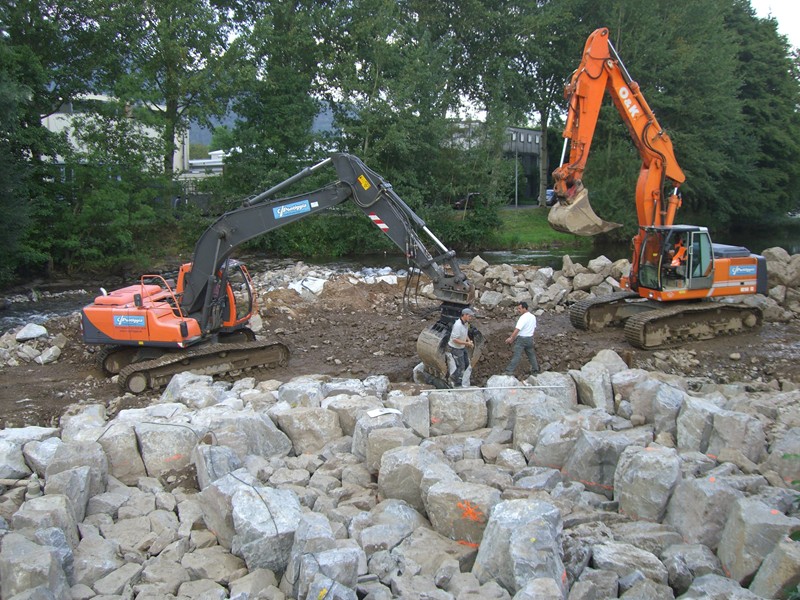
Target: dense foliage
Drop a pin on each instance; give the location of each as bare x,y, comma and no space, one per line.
400,82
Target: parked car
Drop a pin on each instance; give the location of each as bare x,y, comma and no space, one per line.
549,197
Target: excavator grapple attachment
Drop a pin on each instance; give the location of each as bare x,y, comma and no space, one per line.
575,215
432,348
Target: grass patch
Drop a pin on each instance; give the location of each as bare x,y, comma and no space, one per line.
527,227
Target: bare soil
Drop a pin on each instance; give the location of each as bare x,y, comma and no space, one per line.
356,330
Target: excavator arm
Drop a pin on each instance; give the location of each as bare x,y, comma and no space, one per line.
601,70
357,182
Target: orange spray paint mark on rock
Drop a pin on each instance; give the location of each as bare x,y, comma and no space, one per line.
470,512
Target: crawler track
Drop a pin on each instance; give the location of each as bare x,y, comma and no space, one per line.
222,359
673,325
594,314
650,324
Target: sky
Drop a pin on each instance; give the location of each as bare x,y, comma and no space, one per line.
786,12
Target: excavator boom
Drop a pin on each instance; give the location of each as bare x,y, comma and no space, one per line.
601,71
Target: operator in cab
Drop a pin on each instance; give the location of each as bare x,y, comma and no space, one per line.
678,254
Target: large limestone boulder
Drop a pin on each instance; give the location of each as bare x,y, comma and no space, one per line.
644,481
752,531
522,541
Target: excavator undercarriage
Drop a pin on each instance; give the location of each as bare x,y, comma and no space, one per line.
650,325
221,359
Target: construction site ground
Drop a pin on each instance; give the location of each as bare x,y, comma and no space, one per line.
357,330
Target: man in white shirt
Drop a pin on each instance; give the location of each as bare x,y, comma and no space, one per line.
522,338
458,343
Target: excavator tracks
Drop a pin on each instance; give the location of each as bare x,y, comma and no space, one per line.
222,359
670,325
594,314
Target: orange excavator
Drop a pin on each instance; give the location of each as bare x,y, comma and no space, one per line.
149,331
676,270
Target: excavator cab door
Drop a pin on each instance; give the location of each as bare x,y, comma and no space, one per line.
651,254
675,259
701,261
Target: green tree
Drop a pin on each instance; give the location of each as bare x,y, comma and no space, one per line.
274,103
171,57
511,59
390,80
120,201
15,173
222,139
770,96
388,83
50,53
547,38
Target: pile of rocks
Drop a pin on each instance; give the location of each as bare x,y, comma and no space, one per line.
546,288
31,343
602,482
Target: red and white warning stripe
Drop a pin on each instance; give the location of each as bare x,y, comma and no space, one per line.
377,220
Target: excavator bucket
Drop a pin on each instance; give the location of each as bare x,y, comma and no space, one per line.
432,346
575,215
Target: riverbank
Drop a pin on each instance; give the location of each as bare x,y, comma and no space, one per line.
358,325
602,481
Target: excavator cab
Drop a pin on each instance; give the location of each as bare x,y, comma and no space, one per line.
675,258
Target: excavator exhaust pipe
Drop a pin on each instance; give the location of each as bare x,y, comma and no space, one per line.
575,215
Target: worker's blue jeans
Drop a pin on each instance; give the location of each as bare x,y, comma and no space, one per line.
523,344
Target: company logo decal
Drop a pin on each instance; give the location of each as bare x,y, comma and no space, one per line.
741,270
627,101
129,321
289,210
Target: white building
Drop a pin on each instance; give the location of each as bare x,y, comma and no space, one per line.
63,120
